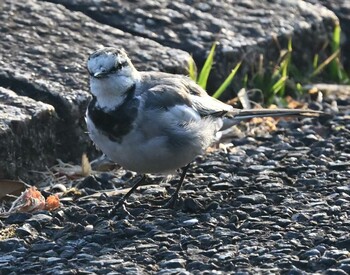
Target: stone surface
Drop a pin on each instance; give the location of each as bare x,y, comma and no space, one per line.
27,134
277,202
244,28
292,219
43,52
342,9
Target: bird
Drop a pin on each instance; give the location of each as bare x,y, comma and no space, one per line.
155,122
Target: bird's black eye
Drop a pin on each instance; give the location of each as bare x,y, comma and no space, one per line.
118,67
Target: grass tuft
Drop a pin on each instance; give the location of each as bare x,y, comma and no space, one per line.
227,81
204,74
284,78
192,69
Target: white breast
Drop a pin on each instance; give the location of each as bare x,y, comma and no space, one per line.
153,154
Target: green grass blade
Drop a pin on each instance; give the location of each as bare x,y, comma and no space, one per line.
282,72
279,85
287,59
277,70
245,81
204,74
334,66
321,67
299,88
336,38
192,70
227,81
285,68
315,61
290,48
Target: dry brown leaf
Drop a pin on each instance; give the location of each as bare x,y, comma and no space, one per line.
268,122
52,202
73,171
294,104
31,200
8,232
11,187
85,166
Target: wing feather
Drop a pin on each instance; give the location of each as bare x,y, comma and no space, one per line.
175,90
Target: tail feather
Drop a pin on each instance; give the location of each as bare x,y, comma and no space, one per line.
238,115
250,113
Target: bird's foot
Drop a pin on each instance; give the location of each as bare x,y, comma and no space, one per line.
171,203
119,209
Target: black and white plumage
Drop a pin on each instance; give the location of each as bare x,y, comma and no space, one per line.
153,122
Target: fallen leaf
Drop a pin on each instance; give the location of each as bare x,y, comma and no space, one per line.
85,166
52,202
8,232
31,200
268,122
11,187
294,104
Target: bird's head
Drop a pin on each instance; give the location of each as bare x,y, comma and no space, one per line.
112,75
109,62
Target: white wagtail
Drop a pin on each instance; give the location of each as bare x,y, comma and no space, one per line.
154,122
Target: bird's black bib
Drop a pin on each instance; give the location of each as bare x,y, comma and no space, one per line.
117,123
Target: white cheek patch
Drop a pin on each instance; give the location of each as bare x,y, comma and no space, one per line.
120,60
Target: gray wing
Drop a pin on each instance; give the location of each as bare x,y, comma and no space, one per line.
167,90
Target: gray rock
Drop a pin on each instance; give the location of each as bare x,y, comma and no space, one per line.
7,259
10,244
106,262
50,254
342,9
173,271
18,218
173,263
221,186
190,222
345,243
43,52
41,218
27,134
254,198
312,253
300,217
26,230
84,257
335,271
42,246
345,267
52,260
243,28
68,252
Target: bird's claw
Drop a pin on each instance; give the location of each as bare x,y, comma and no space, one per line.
119,208
172,201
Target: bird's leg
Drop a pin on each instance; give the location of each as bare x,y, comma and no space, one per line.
127,195
174,197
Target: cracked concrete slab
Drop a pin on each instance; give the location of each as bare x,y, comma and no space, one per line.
43,51
244,28
27,134
44,46
341,8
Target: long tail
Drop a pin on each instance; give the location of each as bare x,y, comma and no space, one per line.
239,115
250,113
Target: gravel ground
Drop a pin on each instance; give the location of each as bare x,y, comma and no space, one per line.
275,202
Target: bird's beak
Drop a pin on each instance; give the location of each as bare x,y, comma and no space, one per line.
99,74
